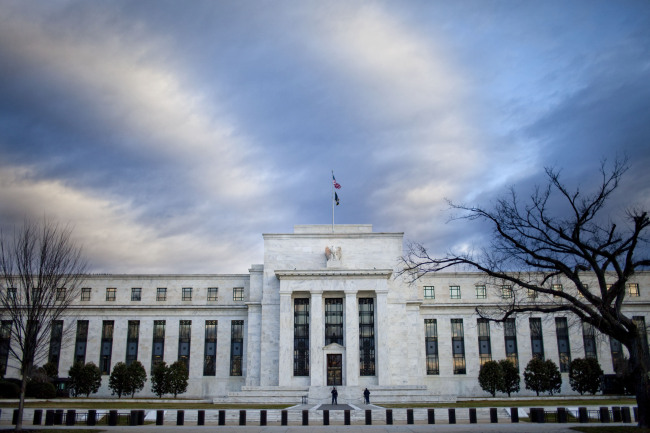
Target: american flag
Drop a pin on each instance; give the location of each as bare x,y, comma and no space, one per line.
336,184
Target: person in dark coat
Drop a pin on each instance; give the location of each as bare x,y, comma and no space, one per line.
335,395
366,396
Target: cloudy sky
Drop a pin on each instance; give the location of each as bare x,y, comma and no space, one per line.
171,135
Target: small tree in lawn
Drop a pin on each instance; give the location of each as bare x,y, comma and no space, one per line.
554,377
84,379
585,375
490,377
177,378
535,376
119,382
511,377
159,382
137,376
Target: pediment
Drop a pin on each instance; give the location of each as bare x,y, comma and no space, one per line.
334,347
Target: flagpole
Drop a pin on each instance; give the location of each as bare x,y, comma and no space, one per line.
332,202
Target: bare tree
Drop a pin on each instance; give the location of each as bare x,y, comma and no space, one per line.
41,272
534,246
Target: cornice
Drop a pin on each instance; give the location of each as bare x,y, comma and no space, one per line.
333,273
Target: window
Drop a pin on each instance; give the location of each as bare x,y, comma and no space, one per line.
132,338
136,294
161,294
536,338
563,349
589,339
333,321
556,288
56,336
213,293
618,359
106,347
481,291
184,342
238,294
639,321
5,341
431,345
532,294
11,293
458,346
158,351
81,341
187,294
454,292
60,294
236,347
429,292
506,292
633,289
210,350
484,346
110,294
85,294
510,337
366,337
301,337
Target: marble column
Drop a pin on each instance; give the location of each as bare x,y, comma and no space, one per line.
286,340
382,321
316,339
253,355
351,339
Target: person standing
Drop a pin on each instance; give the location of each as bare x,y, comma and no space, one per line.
366,396
335,395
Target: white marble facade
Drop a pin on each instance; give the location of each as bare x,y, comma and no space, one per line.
317,262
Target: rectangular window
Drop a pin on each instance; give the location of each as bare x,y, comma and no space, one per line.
532,294
210,350
187,294
563,349
618,359
589,339
60,294
366,337
510,337
639,321
238,294
161,294
236,347
110,294
454,292
429,292
484,346
107,347
213,293
431,345
557,288
458,345
136,293
506,292
536,338
301,337
333,321
184,342
5,342
633,289
81,341
158,352
132,338
85,294
56,336
481,291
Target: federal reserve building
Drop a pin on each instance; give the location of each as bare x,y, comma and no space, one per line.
327,307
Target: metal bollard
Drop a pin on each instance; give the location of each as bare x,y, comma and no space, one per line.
431,416
133,419
326,417
472,415
514,414
14,417
616,414
346,417
409,416
160,417
583,415
635,409
200,420
38,417
389,416
562,416
493,415
112,417
368,417
625,412
71,417
141,416
49,417
604,414
283,417
242,417
305,417
452,416
91,419
263,417
222,417
180,417
58,417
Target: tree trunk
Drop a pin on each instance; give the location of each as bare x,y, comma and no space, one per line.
639,372
21,403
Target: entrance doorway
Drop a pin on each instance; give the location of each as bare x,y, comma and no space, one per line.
334,370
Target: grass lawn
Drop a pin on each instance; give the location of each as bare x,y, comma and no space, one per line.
521,403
